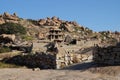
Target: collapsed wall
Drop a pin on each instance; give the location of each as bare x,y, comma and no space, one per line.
107,55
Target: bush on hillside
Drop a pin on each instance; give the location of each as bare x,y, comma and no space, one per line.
12,28
4,49
35,22
27,38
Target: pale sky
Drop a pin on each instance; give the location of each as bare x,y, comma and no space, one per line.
97,15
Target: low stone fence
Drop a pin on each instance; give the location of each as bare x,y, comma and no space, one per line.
107,55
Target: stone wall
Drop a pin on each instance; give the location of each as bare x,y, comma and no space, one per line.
71,58
107,55
40,60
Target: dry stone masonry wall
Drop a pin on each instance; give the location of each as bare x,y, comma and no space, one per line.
40,60
107,55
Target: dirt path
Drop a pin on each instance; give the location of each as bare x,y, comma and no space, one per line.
29,74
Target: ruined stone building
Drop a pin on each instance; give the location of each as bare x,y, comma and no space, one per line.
63,54
55,34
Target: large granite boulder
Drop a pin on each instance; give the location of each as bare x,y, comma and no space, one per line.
6,38
41,22
2,20
6,17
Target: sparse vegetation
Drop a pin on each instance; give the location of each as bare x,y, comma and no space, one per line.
5,65
27,38
12,28
4,49
33,21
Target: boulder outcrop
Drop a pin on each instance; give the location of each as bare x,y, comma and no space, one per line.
6,38
6,17
55,21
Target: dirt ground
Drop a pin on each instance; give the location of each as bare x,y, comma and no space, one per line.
84,71
29,74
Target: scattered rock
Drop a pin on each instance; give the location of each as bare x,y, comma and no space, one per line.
36,69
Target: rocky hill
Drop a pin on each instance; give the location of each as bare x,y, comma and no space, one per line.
38,28
31,36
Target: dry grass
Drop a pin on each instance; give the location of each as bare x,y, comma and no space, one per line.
5,65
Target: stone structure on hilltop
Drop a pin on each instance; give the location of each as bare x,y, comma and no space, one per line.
56,35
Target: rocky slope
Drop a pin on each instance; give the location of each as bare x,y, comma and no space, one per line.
39,28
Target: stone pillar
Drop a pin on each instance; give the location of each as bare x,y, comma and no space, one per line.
58,65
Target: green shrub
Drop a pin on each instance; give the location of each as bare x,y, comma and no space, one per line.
33,21
4,49
27,38
12,28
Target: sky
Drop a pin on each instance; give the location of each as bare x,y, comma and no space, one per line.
98,15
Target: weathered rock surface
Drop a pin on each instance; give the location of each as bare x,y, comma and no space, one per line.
55,21
6,17
6,38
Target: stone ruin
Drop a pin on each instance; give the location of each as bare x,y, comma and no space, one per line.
55,34
109,55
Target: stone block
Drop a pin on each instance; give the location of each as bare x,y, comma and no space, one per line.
116,49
